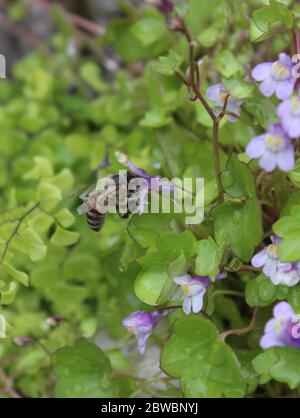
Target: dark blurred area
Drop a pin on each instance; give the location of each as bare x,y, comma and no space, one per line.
20,34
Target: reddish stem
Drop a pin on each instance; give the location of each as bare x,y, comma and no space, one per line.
240,331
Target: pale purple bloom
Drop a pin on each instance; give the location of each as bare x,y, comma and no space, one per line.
273,148
268,257
164,6
276,77
218,94
287,274
141,324
282,329
193,289
289,114
143,183
53,321
23,341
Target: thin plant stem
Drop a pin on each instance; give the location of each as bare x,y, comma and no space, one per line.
15,231
240,331
215,144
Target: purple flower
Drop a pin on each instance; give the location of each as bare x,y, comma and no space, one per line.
144,183
192,290
289,114
23,341
53,321
282,329
287,274
268,257
273,148
141,324
164,6
276,77
218,94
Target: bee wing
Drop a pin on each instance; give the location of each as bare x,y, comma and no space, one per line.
82,208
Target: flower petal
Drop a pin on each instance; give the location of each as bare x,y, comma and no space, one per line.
260,258
268,86
141,340
284,89
291,125
214,93
285,59
270,267
286,159
270,340
187,305
284,109
262,71
182,280
283,309
256,147
268,161
197,301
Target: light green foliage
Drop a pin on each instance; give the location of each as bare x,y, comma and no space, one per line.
82,372
261,292
63,116
279,364
206,366
288,228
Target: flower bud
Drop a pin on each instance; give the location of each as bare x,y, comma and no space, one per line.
23,341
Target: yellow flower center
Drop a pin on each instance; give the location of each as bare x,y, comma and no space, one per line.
273,251
223,95
280,71
295,105
277,326
274,142
185,289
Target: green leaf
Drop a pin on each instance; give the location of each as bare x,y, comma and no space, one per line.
90,73
249,373
294,175
63,180
151,284
240,225
147,228
43,169
63,238
29,242
129,254
294,298
273,19
65,218
169,64
206,366
280,364
209,36
8,296
209,256
19,276
82,372
49,196
238,180
156,119
227,64
148,30
260,291
239,88
288,228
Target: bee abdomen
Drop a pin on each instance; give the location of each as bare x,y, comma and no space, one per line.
95,219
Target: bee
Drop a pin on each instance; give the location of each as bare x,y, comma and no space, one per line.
95,211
